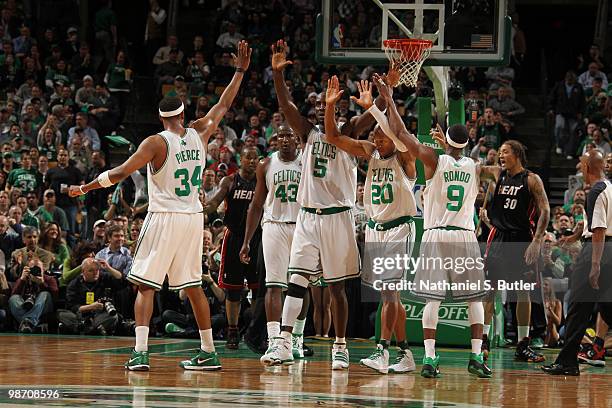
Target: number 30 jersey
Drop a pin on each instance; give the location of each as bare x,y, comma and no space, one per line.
388,190
175,186
329,175
282,181
449,197
512,208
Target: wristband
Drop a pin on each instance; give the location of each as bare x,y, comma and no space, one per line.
81,189
239,69
105,180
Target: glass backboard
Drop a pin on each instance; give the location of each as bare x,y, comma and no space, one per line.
465,32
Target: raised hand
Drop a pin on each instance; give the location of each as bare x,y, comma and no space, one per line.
439,136
333,93
365,95
244,56
279,56
393,76
385,90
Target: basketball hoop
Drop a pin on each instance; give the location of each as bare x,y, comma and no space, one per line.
407,56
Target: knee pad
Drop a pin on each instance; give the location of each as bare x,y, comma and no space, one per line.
430,314
475,313
298,285
233,295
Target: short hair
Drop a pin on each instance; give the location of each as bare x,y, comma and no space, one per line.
114,228
518,149
30,231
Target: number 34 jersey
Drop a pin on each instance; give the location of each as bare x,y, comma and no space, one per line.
175,186
329,175
282,181
449,197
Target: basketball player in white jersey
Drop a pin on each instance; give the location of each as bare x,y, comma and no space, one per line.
278,177
448,210
390,205
170,242
324,241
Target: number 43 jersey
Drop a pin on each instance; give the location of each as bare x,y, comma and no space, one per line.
449,197
329,175
175,186
282,181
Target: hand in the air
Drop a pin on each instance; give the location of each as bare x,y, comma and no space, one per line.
365,99
333,93
279,56
244,55
385,91
75,191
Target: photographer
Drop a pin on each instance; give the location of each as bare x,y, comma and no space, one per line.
22,256
32,295
88,300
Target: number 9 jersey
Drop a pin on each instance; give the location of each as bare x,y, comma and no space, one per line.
175,186
449,197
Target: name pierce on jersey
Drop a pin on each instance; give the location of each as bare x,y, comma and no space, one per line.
323,149
187,155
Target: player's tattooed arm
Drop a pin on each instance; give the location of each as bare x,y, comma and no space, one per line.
255,210
207,125
300,125
211,205
538,194
489,173
361,148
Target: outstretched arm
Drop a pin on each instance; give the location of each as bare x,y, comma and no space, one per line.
538,194
426,154
297,122
208,124
255,209
359,148
146,152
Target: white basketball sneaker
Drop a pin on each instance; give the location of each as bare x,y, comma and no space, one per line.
271,352
340,357
404,362
378,360
283,354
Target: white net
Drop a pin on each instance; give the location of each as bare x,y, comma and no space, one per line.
407,56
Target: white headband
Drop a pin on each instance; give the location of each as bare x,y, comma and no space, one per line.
175,112
454,144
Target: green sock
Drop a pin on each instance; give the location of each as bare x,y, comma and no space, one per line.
298,327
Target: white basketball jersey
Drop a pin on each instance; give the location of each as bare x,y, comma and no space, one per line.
388,190
448,200
282,181
329,175
175,186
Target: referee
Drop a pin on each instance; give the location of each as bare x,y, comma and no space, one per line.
591,280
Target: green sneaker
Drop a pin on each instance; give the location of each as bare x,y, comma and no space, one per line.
202,361
430,367
537,343
477,366
297,346
172,328
139,361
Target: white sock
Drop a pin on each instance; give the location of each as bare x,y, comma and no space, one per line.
206,341
430,348
476,346
523,331
340,340
273,329
298,328
142,338
486,328
286,336
291,310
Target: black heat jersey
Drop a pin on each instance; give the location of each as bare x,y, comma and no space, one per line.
237,203
512,209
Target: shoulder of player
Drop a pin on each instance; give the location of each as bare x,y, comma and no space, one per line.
534,181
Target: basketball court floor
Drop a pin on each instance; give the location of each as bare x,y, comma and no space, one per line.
88,371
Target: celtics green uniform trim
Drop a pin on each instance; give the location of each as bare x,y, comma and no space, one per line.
186,285
325,211
138,280
449,228
384,226
142,234
153,171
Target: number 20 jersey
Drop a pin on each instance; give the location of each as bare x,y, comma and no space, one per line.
282,181
175,186
449,197
329,175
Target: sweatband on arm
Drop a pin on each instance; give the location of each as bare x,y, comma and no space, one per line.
384,125
104,179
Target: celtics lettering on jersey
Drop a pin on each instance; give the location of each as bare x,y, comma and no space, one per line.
382,190
323,152
282,181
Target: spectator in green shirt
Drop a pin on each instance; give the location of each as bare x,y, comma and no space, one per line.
49,212
27,218
72,264
51,240
24,177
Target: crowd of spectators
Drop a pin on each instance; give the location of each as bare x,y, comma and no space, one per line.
63,261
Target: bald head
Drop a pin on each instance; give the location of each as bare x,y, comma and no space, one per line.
593,164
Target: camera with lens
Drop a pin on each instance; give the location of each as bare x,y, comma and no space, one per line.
35,271
28,303
108,306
